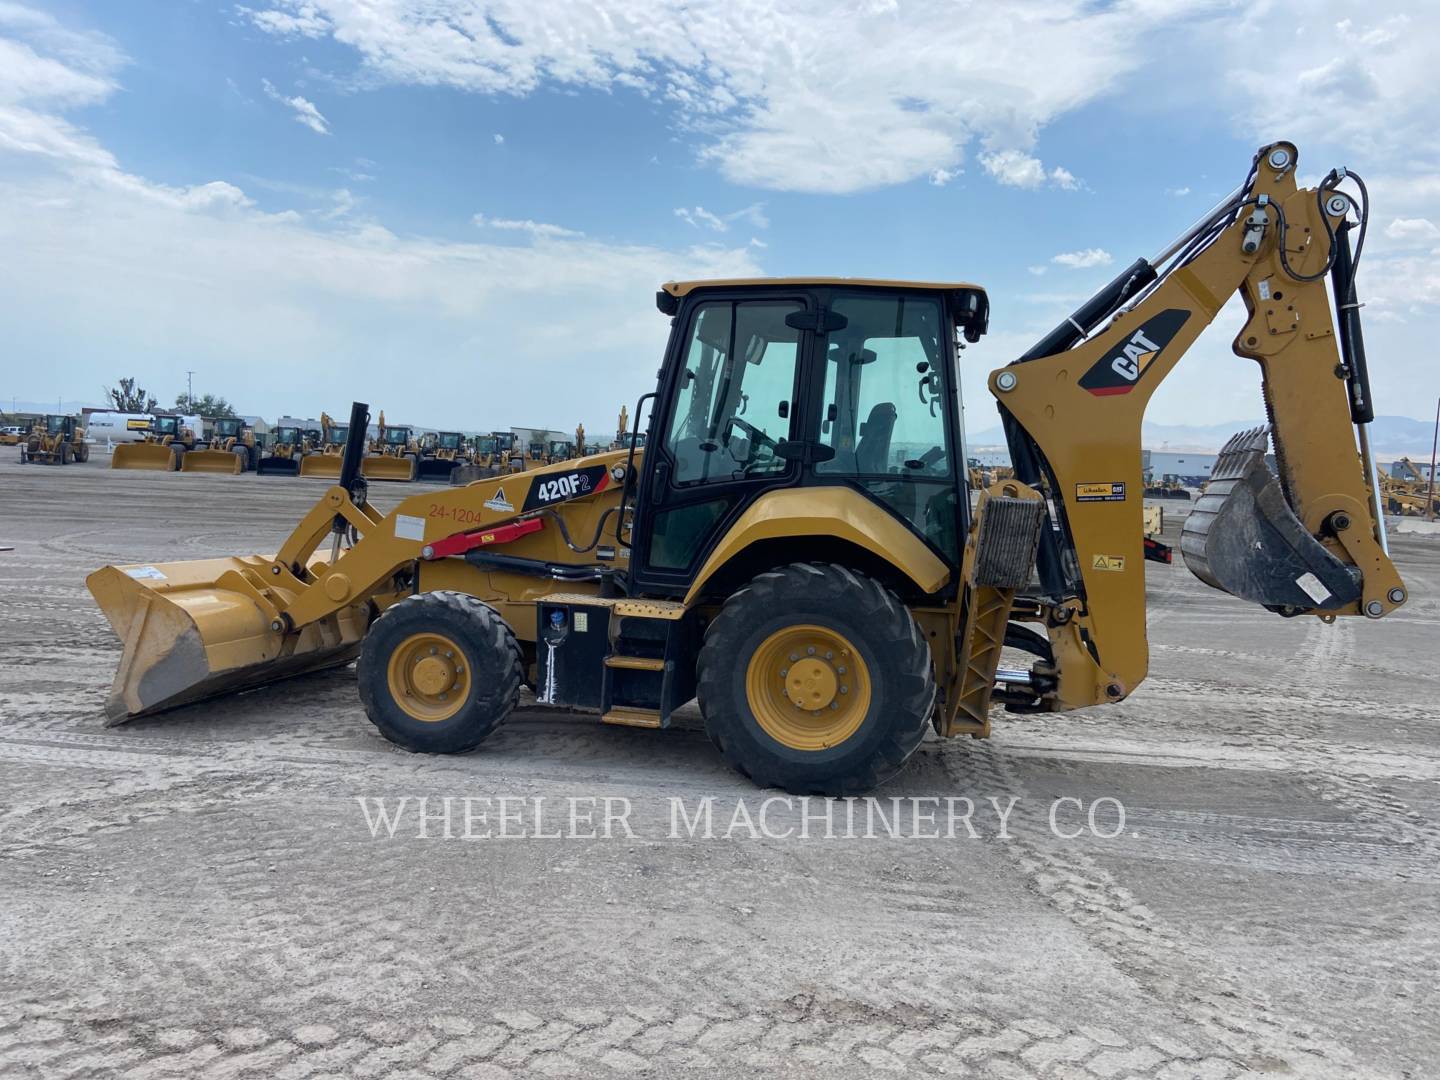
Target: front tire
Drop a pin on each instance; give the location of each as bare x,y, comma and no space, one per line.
817,680
439,672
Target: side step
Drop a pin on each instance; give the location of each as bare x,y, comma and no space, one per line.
631,660
632,717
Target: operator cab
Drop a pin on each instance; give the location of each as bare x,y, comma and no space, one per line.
59,425
804,383
449,440
397,436
286,436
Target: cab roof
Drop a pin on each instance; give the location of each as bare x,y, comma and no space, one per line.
683,288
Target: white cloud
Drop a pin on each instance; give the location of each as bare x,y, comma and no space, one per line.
1178,192
499,139
941,177
201,277
887,94
699,217
1014,168
538,229
305,111
1083,260
1413,231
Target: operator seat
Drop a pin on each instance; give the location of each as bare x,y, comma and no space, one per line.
873,450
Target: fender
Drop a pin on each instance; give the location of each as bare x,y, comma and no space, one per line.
838,512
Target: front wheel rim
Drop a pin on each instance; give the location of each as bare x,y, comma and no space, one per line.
808,687
429,677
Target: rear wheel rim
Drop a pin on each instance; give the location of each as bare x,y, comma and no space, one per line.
429,677
808,687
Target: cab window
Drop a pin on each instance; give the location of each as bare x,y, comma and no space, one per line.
883,409
734,399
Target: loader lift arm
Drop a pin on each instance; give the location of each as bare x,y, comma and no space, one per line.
1310,541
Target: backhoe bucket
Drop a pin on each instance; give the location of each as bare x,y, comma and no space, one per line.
212,461
384,467
192,630
1243,537
278,466
325,466
437,470
143,455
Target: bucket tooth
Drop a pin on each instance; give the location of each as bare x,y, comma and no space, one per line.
1243,537
193,630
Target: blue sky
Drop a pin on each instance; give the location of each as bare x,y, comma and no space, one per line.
460,210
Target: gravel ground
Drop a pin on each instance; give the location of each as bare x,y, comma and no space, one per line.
200,894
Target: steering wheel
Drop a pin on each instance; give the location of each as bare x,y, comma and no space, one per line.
757,437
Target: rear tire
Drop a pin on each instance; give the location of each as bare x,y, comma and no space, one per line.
64,453
439,672
82,453
861,658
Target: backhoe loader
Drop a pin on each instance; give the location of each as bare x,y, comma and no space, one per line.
59,441
795,545
1167,487
325,461
287,450
441,454
393,455
231,449
165,446
1410,493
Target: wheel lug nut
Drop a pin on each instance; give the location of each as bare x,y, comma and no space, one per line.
794,657
840,670
433,650
844,689
810,651
829,655
784,671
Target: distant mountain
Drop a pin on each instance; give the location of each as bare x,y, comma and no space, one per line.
1391,436
44,407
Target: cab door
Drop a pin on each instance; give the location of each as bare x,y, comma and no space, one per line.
727,418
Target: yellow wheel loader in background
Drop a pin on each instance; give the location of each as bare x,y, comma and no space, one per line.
441,454
795,545
325,461
58,441
287,450
165,445
393,455
489,456
231,449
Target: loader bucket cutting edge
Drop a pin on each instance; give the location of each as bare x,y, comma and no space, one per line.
151,456
325,466
1242,537
388,468
212,461
190,631
436,470
278,466
468,474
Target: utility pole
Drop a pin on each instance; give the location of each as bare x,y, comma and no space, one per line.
1434,442
190,388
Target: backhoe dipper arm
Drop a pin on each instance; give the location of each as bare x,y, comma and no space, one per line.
1310,540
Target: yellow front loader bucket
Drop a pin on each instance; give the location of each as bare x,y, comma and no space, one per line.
325,466
192,630
212,461
384,467
143,455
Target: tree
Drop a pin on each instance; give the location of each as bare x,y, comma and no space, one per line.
203,405
128,397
